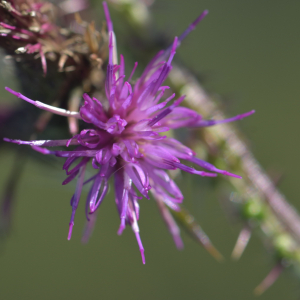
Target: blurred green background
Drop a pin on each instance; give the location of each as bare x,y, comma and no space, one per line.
248,51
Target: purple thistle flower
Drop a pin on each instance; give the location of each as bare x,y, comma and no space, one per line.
125,141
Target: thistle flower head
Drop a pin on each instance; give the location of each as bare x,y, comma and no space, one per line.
30,27
125,140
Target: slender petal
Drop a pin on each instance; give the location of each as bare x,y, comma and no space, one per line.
38,104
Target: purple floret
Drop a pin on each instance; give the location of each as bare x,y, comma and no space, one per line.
126,142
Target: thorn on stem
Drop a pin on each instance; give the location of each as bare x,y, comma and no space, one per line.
270,279
241,243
